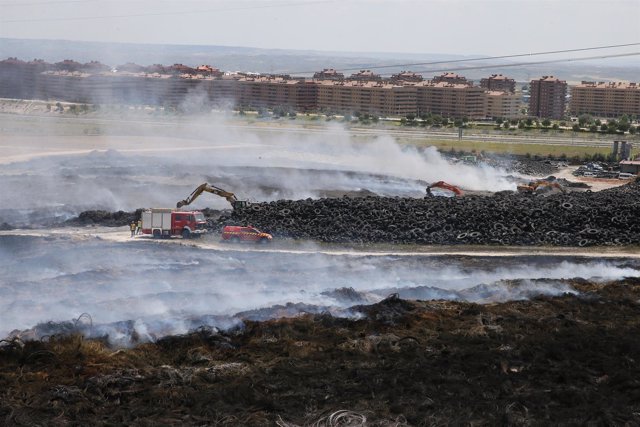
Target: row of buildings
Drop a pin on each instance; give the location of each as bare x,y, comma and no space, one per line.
329,91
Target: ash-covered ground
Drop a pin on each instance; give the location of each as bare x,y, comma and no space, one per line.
103,329
142,290
570,359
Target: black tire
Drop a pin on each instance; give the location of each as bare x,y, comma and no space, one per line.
157,234
264,241
186,234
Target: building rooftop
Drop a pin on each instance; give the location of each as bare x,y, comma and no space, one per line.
610,85
498,77
550,79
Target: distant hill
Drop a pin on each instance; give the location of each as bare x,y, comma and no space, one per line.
300,62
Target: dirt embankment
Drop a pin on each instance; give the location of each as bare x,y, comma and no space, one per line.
564,360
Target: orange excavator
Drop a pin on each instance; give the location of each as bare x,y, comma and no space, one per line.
441,184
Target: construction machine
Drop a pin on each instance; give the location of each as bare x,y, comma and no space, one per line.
540,186
441,184
231,198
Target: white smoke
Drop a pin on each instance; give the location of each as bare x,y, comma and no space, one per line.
167,289
158,163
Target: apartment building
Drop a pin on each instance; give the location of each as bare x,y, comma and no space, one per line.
266,92
505,105
605,99
450,100
406,76
365,76
452,78
548,97
377,98
498,82
328,74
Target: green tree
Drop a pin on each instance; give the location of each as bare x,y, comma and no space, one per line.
593,128
604,127
555,126
546,123
506,124
576,127
521,125
598,122
584,119
458,123
499,121
529,122
445,121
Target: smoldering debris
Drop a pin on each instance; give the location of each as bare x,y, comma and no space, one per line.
574,219
568,358
108,219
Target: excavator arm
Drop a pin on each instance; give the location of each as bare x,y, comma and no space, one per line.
444,185
540,185
231,198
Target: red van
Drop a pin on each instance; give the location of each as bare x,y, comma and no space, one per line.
236,234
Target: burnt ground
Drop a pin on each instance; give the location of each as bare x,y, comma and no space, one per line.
566,360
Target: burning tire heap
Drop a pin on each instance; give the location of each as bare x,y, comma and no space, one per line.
575,219
105,218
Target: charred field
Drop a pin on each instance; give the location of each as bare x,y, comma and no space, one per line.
342,320
564,360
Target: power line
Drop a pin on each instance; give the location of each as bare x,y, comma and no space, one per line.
486,58
42,3
522,64
184,12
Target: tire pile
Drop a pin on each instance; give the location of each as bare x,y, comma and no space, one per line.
525,166
105,218
608,218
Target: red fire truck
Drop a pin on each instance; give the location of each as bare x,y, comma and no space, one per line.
172,222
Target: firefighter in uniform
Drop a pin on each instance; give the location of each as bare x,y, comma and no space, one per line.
133,228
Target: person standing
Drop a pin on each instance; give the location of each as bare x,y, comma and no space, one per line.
133,228
139,227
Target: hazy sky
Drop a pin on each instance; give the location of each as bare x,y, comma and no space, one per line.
407,26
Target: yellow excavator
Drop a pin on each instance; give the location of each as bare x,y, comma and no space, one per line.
231,198
541,186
